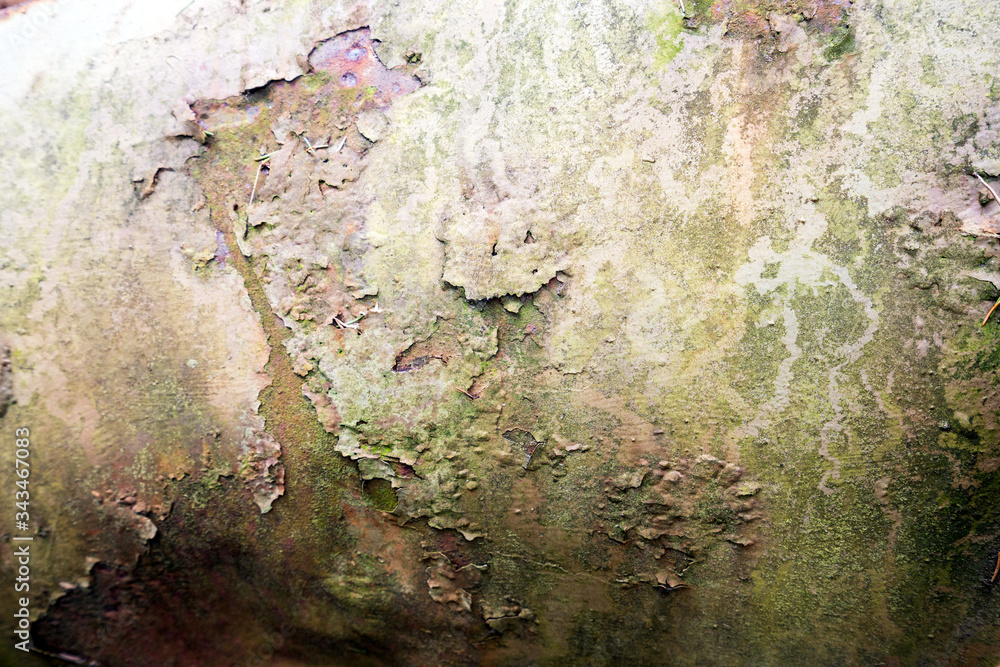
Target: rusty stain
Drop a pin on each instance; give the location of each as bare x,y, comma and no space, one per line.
752,22
350,57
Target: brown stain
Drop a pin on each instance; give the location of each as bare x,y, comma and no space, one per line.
397,549
10,8
748,131
634,436
524,517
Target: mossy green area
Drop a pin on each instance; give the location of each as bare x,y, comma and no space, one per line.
381,495
903,540
667,29
841,43
813,374
757,357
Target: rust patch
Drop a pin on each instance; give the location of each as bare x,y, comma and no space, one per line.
827,14
751,20
350,58
748,24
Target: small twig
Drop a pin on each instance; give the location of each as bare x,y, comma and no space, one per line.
985,319
684,11
467,393
310,148
996,571
343,141
262,159
992,191
254,191
353,324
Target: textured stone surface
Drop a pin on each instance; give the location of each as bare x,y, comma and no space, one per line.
571,333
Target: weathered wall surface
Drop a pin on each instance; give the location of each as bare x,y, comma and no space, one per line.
546,332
